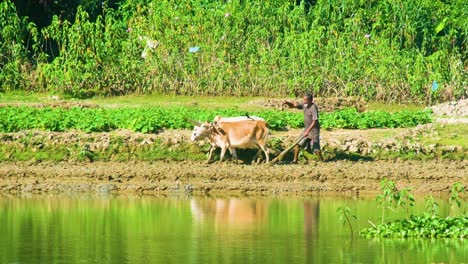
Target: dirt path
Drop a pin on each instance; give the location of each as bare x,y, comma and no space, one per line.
341,177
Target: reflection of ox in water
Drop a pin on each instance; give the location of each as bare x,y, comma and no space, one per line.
231,133
243,213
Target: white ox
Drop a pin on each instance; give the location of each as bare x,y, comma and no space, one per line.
233,132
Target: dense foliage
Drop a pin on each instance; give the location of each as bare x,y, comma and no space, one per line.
382,50
148,120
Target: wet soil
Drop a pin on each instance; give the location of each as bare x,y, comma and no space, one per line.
338,177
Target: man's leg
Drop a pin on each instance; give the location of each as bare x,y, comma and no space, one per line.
319,154
297,148
316,148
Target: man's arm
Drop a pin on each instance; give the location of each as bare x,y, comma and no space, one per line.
290,104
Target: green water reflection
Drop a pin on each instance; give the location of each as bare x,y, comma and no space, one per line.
93,229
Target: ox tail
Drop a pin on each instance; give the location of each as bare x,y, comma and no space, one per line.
266,148
265,137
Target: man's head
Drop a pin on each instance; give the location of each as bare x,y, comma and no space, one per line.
308,98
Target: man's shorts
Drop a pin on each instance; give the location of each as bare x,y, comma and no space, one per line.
309,145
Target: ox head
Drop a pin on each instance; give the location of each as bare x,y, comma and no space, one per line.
200,130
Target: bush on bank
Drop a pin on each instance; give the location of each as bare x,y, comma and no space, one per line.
380,50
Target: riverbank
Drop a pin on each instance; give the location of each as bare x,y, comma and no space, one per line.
339,177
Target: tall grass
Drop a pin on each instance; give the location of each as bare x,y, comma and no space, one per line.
389,50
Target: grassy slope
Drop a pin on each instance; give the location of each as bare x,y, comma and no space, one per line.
451,135
19,97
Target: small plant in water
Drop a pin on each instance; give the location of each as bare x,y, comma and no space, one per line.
345,215
454,200
431,206
391,196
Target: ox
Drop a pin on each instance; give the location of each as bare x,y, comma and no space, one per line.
231,133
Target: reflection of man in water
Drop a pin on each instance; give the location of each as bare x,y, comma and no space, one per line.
311,217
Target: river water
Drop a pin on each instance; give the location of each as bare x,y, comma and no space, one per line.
186,229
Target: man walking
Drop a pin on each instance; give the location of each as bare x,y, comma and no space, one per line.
311,140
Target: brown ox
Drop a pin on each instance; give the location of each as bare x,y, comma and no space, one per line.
231,133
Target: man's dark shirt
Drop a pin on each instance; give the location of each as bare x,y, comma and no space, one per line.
311,113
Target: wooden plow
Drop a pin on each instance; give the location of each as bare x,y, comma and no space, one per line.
281,155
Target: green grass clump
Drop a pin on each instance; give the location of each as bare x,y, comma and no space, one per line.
449,135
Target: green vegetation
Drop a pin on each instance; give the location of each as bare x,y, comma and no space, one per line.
428,225
150,120
394,51
425,226
350,118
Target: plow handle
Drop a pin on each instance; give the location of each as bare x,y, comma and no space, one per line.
281,155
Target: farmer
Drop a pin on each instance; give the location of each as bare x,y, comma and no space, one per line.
311,133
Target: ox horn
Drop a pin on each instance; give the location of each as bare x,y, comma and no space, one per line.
193,122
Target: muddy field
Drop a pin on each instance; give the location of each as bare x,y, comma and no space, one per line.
340,177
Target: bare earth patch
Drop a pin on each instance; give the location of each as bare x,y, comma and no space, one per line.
340,177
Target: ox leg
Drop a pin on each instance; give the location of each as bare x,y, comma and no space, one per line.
234,154
265,150
223,152
258,156
212,149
